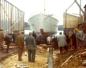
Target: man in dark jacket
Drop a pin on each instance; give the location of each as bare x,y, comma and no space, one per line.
8,40
74,42
31,47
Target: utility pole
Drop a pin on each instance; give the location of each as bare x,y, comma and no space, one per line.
80,13
11,19
44,7
0,14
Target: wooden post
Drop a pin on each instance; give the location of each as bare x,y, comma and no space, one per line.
85,14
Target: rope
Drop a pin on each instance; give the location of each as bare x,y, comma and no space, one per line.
44,7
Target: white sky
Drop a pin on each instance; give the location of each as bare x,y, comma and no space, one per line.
54,7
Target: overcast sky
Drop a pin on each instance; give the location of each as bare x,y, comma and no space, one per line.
54,7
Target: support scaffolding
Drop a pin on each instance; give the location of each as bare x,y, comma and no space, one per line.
81,10
11,17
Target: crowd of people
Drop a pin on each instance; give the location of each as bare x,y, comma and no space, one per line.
72,40
64,42
17,38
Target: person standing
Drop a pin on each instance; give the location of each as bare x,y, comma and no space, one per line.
8,40
54,42
74,42
31,47
62,44
34,34
1,39
20,44
49,40
68,41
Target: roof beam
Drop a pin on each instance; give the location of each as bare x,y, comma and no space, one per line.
75,1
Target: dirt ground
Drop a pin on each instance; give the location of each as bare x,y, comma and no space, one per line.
41,60
70,59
